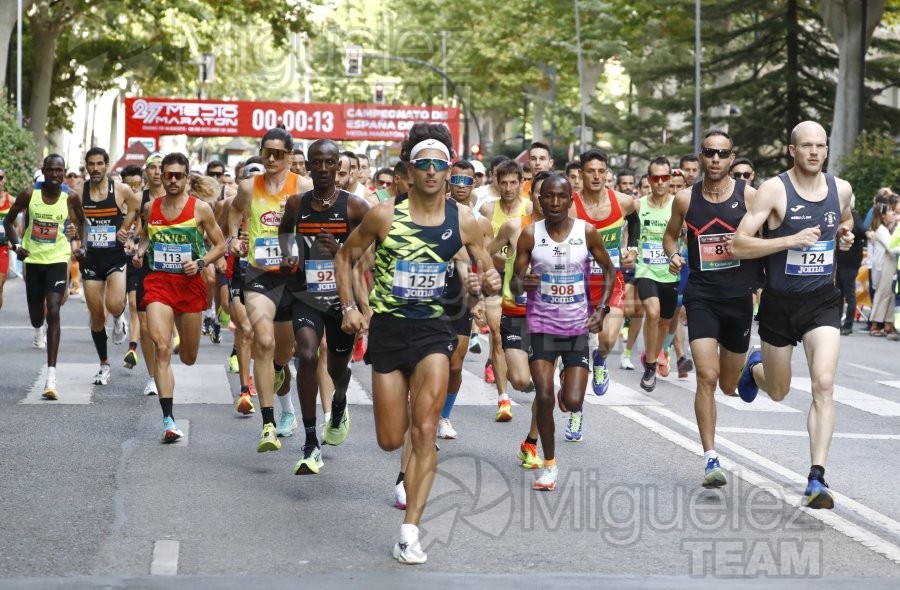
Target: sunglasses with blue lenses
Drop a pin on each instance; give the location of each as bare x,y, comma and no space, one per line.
462,180
426,163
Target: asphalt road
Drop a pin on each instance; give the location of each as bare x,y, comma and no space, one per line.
90,498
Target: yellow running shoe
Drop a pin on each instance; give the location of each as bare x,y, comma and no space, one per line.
528,455
311,462
504,411
335,435
245,404
268,440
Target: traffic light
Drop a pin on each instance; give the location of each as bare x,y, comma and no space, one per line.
378,93
354,60
476,151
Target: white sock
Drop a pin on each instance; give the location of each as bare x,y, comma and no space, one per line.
504,397
409,533
285,402
710,454
51,372
38,332
327,417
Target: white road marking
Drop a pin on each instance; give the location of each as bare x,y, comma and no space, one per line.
74,383
356,395
871,369
201,384
804,434
838,523
761,404
619,395
894,384
473,392
855,399
165,558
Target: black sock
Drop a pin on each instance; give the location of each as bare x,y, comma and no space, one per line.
337,411
268,415
166,405
817,472
245,389
132,345
233,351
278,367
309,425
100,339
399,478
531,441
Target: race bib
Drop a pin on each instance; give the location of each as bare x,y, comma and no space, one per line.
653,253
320,276
171,257
44,232
2,233
267,253
596,269
101,236
713,255
419,280
816,260
559,288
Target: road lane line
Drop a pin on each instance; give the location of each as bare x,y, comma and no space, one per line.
871,369
761,404
804,434
165,558
853,398
777,491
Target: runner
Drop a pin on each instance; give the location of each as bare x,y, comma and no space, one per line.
410,339
6,201
718,298
320,220
133,176
174,289
551,258
801,213
46,252
103,260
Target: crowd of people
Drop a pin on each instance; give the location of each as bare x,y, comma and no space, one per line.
316,259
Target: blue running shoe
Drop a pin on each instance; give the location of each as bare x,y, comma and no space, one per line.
714,476
170,430
574,427
600,381
818,495
747,387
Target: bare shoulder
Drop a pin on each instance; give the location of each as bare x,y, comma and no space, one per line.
843,187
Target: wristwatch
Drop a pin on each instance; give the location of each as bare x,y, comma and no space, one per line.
14,247
201,264
605,308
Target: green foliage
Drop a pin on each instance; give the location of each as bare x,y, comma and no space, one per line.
874,163
17,151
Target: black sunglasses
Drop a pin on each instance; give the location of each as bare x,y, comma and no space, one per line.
744,175
710,152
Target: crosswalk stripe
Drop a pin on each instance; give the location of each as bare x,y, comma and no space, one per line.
201,384
761,404
803,433
74,382
619,395
894,384
473,392
855,399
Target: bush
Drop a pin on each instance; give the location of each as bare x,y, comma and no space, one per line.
873,164
17,152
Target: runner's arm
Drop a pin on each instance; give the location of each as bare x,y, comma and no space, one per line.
287,230
747,245
517,282
9,223
673,231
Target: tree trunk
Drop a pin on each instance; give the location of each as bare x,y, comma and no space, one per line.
8,15
792,69
843,18
44,36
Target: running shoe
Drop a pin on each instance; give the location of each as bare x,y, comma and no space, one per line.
528,455
207,325
489,374
176,343
120,329
574,427
359,349
40,337
400,496
280,378
287,423
475,343
685,366
131,359
103,375
547,481
170,430
215,333
817,495
714,477
335,435
268,440
245,404
445,429
662,364
311,462
150,388
747,387
600,380
410,553
625,363
50,391
648,379
250,386
504,411
233,365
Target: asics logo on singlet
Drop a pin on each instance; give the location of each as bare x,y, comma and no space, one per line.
446,235
734,205
797,208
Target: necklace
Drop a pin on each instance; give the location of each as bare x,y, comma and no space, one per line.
326,202
717,192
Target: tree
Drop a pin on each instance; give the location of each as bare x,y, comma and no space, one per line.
873,164
17,151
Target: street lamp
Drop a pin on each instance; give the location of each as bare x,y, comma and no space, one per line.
19,65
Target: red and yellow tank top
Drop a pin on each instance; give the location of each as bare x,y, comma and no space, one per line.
5,204
176,241
610,228
266,211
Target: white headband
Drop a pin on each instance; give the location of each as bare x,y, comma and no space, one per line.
427,144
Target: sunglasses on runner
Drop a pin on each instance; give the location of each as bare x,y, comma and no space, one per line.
744,175
462,180
276,153
426,163
710,152
175,175
215,174
661,178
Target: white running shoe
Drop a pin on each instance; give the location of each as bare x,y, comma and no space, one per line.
445,429
410,552
625,363
103,375
400,496
120,329
40,337
150,388
50,391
